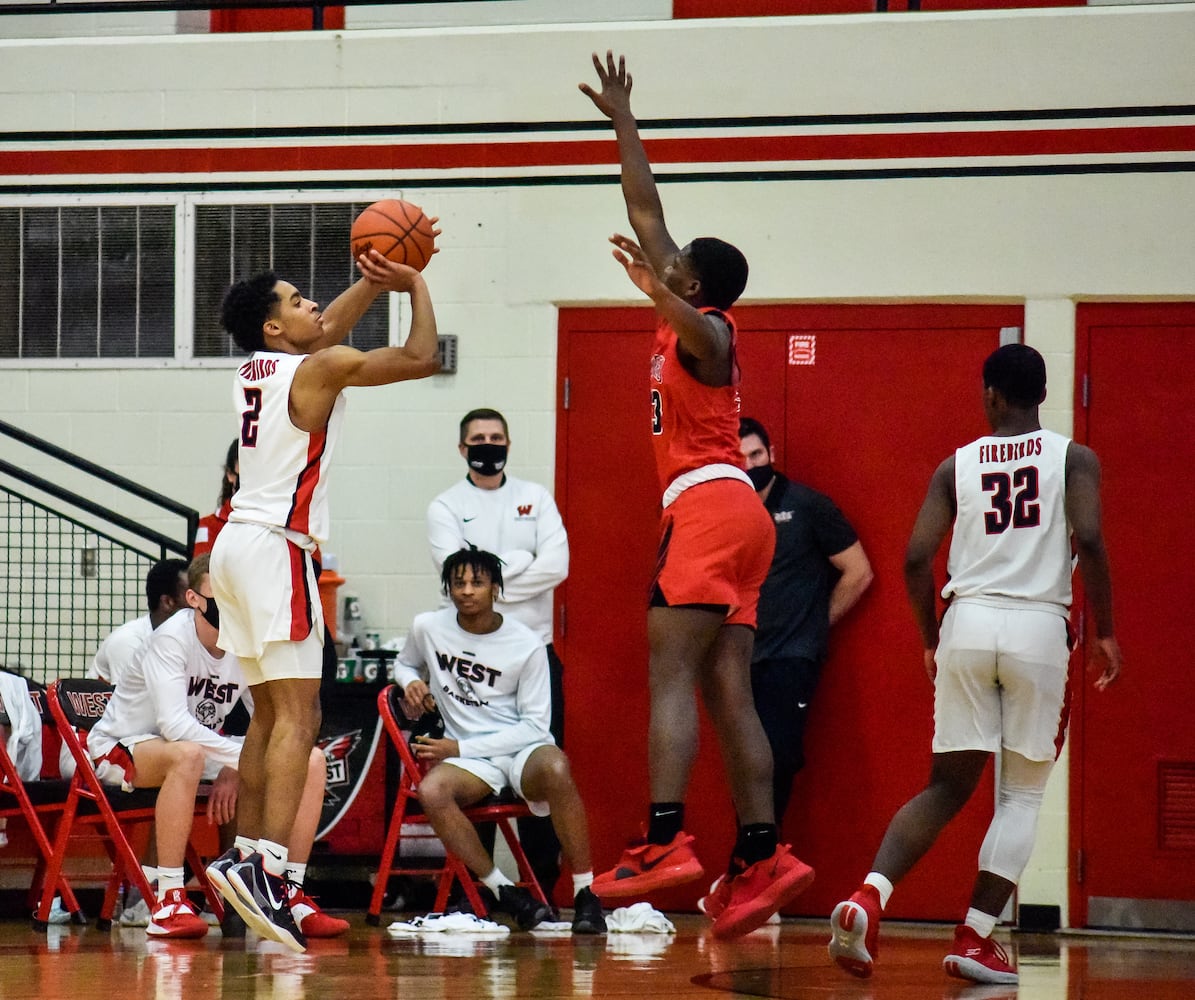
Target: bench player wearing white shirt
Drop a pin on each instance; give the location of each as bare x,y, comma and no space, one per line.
289,405
488,676
165,587
1017,499
519,522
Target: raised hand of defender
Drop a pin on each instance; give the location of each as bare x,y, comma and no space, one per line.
615,97
630,255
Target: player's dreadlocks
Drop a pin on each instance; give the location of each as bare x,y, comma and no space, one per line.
478,560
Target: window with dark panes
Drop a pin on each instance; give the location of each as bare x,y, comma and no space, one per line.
87,281
305,244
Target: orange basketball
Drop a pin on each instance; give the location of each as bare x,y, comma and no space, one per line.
395,229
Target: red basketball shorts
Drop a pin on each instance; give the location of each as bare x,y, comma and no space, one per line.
715,549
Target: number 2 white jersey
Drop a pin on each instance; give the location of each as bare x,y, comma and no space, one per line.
283,470
1011,543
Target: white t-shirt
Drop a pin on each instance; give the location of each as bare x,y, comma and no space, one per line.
174,689
520,524
492,690
119,649
1011,543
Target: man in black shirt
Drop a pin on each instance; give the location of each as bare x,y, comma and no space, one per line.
818,572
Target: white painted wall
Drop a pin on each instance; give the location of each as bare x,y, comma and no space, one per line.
512,254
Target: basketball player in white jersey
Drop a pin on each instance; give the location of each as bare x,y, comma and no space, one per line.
1018,499
289,405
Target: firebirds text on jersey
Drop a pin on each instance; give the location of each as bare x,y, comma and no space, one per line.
1010,452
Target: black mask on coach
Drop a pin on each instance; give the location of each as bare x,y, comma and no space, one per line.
760,476
486,459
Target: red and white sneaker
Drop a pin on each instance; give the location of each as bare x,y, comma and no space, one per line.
978,959
174,917
312,921
644,868
855,932
714,902
760,890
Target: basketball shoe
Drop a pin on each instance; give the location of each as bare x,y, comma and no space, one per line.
855,932
174,917
714,902
262,902
978,959
518,903
645,867
217,872
312,921
760,890
587,914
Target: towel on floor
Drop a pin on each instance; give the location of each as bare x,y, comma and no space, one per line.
448,923
641,918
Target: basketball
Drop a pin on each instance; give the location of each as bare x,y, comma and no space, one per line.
396,229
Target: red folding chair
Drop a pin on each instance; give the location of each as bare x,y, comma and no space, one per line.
496,809
96,811
33,800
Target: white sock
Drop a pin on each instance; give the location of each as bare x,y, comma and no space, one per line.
882,885
582,880
495,880
246,845
981,923
273,857
295,873
169,878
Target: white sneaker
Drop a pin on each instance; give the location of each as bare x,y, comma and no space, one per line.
57,914
136,915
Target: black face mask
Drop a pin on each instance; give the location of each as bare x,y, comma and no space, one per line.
760,476
486,459
211,614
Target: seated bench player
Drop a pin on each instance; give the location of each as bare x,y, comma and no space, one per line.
488,676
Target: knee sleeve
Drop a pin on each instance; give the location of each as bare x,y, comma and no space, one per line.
1009,842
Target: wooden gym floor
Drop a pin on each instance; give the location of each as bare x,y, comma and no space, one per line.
787,962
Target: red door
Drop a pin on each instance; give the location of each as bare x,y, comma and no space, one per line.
890,391
1133,780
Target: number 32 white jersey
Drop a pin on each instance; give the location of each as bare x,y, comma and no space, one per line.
284,471
1011,543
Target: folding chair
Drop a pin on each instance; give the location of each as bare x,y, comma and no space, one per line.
33,800
495,809
104,812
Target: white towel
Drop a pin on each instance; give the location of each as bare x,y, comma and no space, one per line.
448,923
24,744
639,918
550,928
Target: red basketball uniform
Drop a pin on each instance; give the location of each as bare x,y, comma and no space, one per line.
717,539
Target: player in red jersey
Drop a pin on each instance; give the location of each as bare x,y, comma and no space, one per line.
716,546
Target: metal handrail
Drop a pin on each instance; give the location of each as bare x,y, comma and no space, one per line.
189,514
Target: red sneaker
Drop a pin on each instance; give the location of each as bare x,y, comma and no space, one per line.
980,960
713,903
855,932
644,868
312,921
760,890
175,917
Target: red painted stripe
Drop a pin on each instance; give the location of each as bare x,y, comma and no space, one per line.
300,598
299,518
597,152
1065,717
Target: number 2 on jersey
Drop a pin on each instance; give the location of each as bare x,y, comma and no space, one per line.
657,412
249,417
1020,510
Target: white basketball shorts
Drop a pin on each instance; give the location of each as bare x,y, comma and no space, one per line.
1002,681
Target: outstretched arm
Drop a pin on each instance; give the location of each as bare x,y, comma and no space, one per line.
1083,513
929,531
644,209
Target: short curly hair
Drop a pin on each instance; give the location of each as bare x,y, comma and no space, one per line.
246,307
